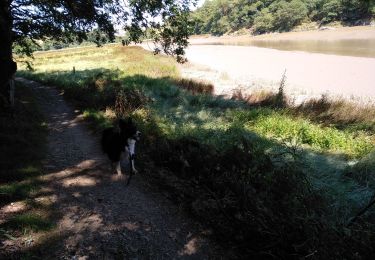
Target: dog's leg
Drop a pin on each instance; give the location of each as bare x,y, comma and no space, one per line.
132,164
131,154
118,168
113,167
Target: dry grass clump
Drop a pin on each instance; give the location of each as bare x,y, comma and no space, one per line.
339,112
128,101
265,98
262,98
194,86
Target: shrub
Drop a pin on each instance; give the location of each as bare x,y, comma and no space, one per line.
264,21
246,198
128,101
194,86
289,14
331,11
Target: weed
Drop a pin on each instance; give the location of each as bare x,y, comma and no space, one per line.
280,100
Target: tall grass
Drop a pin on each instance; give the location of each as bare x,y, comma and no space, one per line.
243,170
118,67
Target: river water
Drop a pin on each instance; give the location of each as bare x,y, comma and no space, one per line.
345,47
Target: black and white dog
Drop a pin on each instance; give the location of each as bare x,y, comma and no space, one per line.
119,143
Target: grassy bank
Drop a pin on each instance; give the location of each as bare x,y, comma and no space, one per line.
253,174
22,148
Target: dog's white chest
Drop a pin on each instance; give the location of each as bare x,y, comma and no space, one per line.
131,146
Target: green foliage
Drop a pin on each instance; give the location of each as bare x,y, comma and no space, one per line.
264,21
331,11
289,14
223,16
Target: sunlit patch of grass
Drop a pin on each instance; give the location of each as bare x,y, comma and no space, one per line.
98,118
129,60
285,127
29,222
18,190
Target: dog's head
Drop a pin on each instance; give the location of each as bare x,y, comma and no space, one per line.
128,129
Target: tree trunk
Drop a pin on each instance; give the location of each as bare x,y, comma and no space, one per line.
7,66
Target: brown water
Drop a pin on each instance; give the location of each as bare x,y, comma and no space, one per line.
344,47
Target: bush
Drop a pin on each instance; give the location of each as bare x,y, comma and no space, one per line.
264,22
331,11
289,14
241,193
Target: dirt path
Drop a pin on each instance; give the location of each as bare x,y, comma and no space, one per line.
101,218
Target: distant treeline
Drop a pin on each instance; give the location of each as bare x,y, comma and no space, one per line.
218,17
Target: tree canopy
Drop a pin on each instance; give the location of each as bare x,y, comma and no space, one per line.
25,21
222,16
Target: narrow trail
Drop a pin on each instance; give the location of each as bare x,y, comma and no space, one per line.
101,218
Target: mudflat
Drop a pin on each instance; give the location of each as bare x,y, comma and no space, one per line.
308,73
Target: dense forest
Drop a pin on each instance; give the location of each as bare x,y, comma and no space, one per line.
218,17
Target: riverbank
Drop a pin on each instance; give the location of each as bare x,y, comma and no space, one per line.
346,41
328,34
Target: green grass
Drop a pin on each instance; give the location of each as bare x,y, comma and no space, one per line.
29,222
18,190
180,112
259,153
